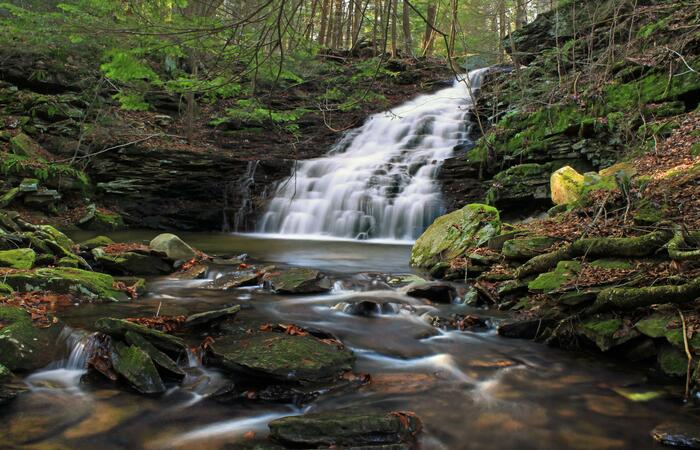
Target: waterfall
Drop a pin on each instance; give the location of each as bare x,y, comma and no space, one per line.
379,181
67,372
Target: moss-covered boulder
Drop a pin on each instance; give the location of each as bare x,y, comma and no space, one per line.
527,247
551,281
297,281
82,283
452,234
8,197
131,262
672,361
160,359
346,429
21,258
173,246
24,347
5,289
101,220
566,185
137,368
523,183
282,357
97,241
606,332
23,145
119,327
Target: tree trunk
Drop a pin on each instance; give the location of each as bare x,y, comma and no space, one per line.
453,30
324,22
329,28
308,34
338,25
407,44
348,24
520,14
501,30
430,23
393,16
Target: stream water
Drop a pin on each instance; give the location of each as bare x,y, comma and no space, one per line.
472,390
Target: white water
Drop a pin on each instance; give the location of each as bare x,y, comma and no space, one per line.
66,374
379,181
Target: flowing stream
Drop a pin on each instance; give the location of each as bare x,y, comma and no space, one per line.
379,180
472,390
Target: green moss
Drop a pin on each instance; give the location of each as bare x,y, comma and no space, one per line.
21,258
5,289
452,234
23,346
672,361
653,88
695,149
612,264
97,241
551,281
8,197
91,285
23,145
527,247
137,367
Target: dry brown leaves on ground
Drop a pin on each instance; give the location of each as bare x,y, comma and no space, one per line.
166,324
39,305
126,247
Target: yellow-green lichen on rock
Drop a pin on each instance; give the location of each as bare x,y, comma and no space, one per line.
566,185
452,234
82,283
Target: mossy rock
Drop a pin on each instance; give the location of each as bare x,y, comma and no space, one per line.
159,358
282,357
5,373
551,281
68,261
21,258
97,220
661,325
173,246
137,367
24,347
524,182
208,317
527,247
452,234
298,281
97,241
8,197
566,186
607,333
346,429
91,285
119,327
23,145
672,361
131,263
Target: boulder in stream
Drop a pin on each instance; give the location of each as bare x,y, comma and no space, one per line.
173,246
437,292
677,434
23,346
137,367
119,327
82,283
298,281
159,358
235,280
21,258
209,317
281,356
139,262
346,429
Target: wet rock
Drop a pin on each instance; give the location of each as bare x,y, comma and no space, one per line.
119,327
523,184
100,220
435,292
97,241
23,145
196,272
159,358
137,367
21,258
405,279
24,347
82,283
7,394
677,434
282,357
452,234
607,332
367,308
173,246
298,281
527,247
235,280
459,322
132,262
8,197
672,361
209,318
346,429
525,329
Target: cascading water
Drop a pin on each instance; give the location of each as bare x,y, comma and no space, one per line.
67,372
379,181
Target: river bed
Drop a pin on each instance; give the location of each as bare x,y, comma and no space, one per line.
472,390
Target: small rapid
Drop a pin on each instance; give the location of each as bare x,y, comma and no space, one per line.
379,181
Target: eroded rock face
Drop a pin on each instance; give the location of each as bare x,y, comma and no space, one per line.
282,357
346,429
437,292
132,262
677,434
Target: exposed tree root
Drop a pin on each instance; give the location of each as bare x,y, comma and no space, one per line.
678,247
631,298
